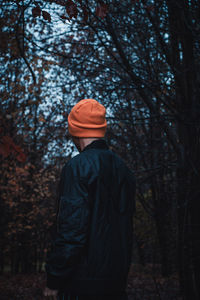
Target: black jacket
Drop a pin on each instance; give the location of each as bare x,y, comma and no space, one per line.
92,249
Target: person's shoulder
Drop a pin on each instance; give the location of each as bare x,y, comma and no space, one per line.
119,160
77,166
73,162
122,164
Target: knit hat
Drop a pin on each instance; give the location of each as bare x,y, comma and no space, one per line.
87,119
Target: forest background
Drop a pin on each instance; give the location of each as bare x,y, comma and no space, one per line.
141,59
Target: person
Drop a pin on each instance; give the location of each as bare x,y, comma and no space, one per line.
91,253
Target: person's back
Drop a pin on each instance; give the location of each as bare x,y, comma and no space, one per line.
92,251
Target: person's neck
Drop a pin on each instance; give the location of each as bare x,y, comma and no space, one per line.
86,141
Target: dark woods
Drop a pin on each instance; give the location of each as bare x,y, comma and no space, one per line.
139,58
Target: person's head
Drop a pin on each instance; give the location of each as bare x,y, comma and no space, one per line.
86,122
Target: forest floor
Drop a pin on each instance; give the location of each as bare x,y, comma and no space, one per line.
144,283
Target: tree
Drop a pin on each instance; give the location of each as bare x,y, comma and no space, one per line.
32,141
149,51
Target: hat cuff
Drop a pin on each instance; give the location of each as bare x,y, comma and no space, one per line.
87,132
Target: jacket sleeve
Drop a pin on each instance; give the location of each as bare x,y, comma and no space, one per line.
72,229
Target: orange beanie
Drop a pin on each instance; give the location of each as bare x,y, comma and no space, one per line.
87,119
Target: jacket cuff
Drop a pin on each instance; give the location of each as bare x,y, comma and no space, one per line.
53,282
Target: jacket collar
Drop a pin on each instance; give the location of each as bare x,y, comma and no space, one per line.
98,144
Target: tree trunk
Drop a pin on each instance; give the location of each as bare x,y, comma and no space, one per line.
182,20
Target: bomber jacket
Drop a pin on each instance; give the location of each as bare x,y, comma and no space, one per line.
91,253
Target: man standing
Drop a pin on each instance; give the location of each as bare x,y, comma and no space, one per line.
91,254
